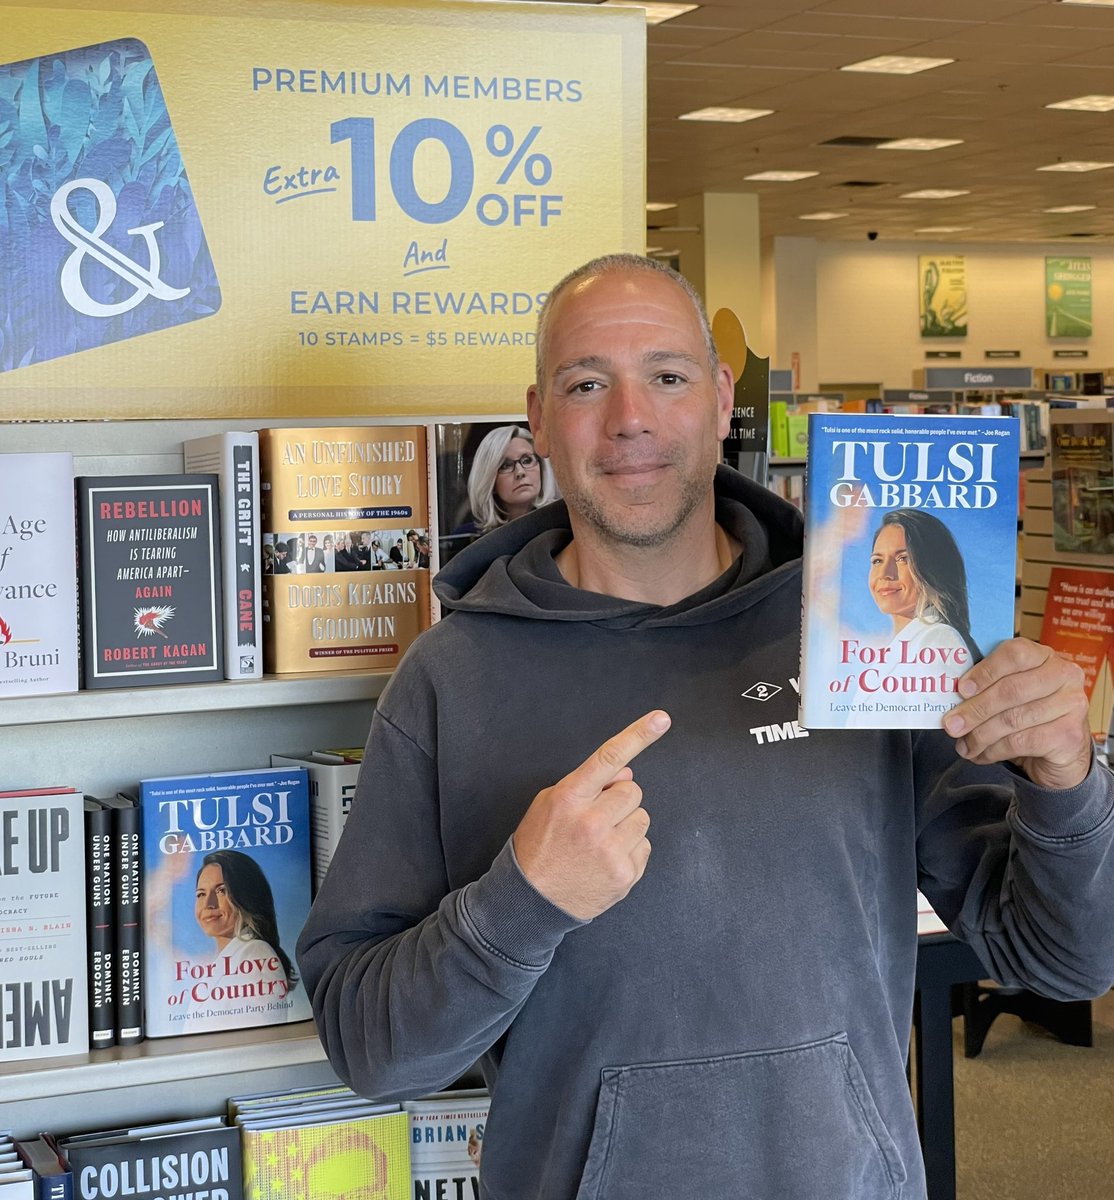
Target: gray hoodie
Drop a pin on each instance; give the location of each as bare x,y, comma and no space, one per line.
738,1025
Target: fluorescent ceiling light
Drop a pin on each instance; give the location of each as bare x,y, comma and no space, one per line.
733,115
1077,166
781,176
915,143
934,194
943,229
1070,208
897,64
1097,3
1086,104
821,216
654,249
655,13
658,206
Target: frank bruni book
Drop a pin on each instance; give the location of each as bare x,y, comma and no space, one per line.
226,886
909,563
38,586
345,525
151,604
44,1001
234,458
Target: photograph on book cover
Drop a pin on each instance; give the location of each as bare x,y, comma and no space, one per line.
488,473
909,563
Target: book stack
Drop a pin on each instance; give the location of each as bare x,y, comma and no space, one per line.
446,1142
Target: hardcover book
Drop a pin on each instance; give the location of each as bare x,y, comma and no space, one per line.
1079,624
909,563
1083,483
44,1001
345,546
38,587
332,784
127,918
226,870
151,605
234,458
52,1178
446,1142
99,906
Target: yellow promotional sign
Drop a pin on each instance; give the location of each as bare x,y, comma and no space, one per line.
288,209
943,295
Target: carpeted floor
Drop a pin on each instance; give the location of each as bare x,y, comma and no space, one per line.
1035,1118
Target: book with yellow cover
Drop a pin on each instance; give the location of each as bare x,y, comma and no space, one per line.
345,529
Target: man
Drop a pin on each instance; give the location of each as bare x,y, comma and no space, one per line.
315,559
737,1023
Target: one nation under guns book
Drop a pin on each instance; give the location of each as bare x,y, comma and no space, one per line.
910,563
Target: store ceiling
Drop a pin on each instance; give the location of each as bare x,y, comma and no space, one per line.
1012,57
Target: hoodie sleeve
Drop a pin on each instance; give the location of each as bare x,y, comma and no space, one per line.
1022,873
412,982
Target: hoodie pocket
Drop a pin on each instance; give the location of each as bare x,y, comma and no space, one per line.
791,1124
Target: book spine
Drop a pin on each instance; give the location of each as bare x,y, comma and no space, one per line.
101,935
129,930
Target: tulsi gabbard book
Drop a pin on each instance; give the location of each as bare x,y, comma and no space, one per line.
226,863
909,563
151,604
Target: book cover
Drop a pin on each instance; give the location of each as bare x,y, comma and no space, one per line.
158,1166
44,1002
127,917
345,546
1079,624
361,1156
1082,454
234,458
332,784
53,1180
226,871
38,586
446,1142
909,563
151,606
99,909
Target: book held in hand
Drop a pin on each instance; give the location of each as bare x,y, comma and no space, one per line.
909,563
226,890
38,588
151,604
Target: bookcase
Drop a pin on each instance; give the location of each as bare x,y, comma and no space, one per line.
102,741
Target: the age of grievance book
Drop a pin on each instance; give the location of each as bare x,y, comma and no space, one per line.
910,563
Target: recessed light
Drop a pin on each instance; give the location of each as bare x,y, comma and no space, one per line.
655,13
1077,166
1070,208
943,229
915,143
782,176
732,115
658,206
1086,104
897,64
934,194
821,216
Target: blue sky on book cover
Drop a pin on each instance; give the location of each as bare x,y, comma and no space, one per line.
226,861
865,471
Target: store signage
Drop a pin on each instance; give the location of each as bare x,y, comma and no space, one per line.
1001,354
917,396
1067,297
965,378
277,210
1069,353
943,354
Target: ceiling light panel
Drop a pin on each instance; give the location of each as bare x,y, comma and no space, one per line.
1070,208
781,176
656,14
934,194
1086,104
943,229
915,143
658,206
1077,166
730,115
897,64
822,216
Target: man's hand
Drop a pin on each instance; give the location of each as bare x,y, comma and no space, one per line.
1026,705
582,842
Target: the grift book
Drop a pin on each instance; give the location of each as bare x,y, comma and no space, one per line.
910,563
345,526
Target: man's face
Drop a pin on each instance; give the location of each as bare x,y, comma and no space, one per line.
632,415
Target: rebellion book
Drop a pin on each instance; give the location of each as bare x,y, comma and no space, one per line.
151,604
44,981
346,546
910,563
226,890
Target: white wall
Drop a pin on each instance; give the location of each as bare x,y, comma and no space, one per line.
866,300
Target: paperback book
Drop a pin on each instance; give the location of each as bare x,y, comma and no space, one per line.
127,918
151,604
234,458
226,887
345,532
38,587
1079,624
99,906
44,1002
909,563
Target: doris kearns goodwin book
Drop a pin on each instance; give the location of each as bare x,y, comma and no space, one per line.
226,864
909,563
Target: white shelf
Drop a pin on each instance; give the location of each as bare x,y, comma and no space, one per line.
271,692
